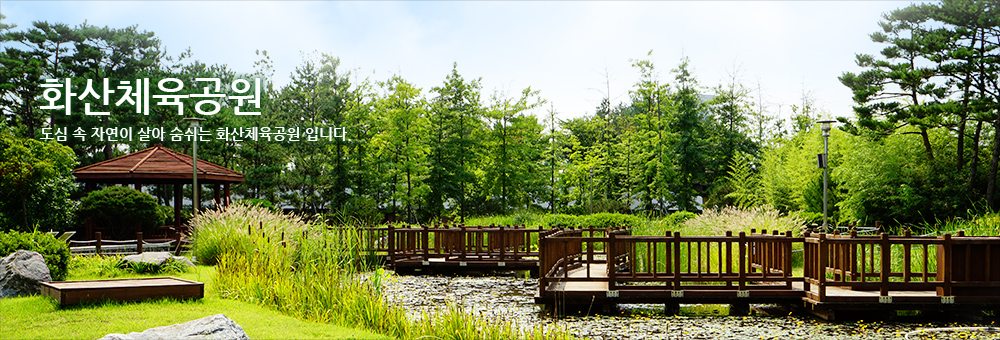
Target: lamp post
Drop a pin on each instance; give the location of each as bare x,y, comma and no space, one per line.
825,125
194,163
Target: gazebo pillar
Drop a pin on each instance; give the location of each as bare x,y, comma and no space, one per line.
138,186
218,196
90,186
228,199
178,190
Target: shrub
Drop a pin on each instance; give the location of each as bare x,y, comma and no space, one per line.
121,210
559,220
55,252
609,220
679,217
36,181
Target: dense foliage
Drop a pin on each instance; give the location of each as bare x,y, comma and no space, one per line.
35,183
55,252
923,145
121,210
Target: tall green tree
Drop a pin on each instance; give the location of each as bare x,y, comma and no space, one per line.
653,111
690,147
513,148
455,124
403,115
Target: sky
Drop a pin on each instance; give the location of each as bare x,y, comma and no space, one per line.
574,53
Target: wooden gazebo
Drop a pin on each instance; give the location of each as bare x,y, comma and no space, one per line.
159,165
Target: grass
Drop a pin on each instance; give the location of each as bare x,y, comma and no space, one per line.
38,317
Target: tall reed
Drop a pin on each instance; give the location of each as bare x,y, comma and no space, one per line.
327,275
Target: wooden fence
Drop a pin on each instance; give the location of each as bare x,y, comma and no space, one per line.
99,246
839,272
457,246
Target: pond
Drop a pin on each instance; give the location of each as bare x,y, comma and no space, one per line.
510,297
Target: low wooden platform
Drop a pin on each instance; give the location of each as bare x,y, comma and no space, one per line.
75,292
592,289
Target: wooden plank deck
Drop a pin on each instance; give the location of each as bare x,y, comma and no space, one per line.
74,292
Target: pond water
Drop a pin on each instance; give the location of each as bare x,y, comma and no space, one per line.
510,297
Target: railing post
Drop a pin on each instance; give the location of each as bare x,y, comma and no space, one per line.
821,267
427,244
886,264
391,252
944,264
503,242
906,257
542,265
743,261
138,242
806,264
97,246
461,241
787,255
677,260
612,261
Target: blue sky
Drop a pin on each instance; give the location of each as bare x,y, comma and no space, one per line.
562,48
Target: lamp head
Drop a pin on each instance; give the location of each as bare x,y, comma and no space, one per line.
825,125
194,120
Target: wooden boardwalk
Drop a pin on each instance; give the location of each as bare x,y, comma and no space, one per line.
457,247
841,273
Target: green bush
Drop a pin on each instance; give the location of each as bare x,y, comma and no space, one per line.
167,212
609,220
121,210
55,252
559,220
679,217
36,181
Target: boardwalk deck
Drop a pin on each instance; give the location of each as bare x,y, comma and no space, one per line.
457,248
842,273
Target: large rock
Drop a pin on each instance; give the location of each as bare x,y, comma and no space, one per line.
210,327
157,258
21,274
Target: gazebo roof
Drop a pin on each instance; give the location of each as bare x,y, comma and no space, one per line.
155,165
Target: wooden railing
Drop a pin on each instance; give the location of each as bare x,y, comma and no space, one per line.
755,261
99,246
952,266
563,250
460,243
703,262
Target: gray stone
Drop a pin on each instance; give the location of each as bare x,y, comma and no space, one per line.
152,257
210,327
157,258
21,274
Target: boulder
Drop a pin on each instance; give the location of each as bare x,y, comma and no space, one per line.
156,258
21,274
210,327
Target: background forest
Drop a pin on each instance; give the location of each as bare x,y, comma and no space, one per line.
921,147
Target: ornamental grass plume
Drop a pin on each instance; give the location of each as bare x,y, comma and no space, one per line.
718,222
232,227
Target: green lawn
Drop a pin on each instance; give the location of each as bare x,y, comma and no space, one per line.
38,317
